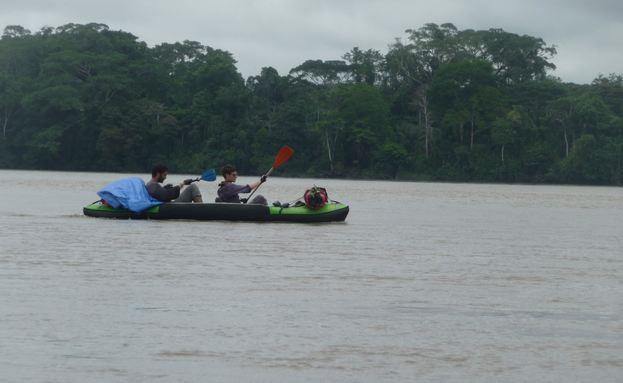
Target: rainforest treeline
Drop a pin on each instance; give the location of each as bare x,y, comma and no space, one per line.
440,104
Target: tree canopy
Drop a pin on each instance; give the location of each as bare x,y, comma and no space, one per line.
440,104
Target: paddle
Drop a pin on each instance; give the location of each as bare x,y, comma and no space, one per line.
281,158
208,175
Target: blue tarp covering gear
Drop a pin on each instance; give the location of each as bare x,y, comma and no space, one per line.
129,193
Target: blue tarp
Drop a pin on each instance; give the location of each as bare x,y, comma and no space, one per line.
129,193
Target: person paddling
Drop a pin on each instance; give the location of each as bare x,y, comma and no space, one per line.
168,193
228,190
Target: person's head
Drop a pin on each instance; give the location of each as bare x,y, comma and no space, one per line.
159,172
229,172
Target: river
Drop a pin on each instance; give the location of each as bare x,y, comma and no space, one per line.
433,282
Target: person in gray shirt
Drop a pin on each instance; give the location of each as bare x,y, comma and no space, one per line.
186,191
228,190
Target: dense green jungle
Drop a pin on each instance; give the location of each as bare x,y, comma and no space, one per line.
441,104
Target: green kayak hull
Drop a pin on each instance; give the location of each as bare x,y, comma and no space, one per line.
331,212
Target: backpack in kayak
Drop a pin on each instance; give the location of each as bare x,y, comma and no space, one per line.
316,197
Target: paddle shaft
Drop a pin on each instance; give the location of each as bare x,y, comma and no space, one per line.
282,157
208,175
258,186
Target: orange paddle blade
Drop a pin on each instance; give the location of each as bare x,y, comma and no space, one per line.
283,156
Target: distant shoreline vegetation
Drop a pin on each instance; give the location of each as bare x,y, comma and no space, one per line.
442,104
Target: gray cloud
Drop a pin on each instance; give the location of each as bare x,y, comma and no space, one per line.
284,33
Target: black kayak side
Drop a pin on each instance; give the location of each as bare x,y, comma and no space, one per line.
331,212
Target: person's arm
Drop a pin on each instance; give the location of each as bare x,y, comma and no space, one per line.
231,190
174,192
163,194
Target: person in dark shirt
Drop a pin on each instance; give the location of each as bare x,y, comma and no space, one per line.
228,190
168,193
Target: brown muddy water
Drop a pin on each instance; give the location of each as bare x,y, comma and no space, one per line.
423,282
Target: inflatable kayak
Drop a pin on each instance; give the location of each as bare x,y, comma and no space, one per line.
331,212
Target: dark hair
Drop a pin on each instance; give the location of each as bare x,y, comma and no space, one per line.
158,169
227,169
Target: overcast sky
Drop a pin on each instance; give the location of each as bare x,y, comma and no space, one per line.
284,33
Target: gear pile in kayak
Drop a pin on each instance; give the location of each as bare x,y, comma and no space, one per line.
331,212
